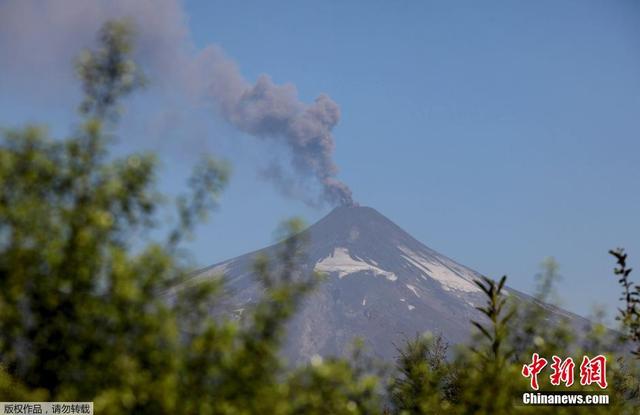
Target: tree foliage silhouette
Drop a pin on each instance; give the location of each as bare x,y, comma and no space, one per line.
91,310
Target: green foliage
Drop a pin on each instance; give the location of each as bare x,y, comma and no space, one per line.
485,377
480,380
333,387
630,315
489,358
533,328
107,73
496,331
426,382
90,310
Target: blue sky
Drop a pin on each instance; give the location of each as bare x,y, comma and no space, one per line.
497,135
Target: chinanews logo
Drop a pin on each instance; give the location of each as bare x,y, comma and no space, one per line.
592,372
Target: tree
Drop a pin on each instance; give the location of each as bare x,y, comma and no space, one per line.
484,377
529,329
426,383
91,310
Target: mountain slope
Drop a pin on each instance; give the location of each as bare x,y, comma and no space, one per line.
384,286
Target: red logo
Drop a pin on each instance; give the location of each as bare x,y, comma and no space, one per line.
594,371
562,371
532,370
591,371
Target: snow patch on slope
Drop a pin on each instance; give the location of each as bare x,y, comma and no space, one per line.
449,278
340,261
412,288
219,269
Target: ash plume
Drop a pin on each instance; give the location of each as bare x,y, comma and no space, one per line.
274,112
52,37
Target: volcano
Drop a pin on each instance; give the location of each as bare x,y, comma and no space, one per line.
383,287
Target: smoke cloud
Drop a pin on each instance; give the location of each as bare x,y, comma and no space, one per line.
264,109
270,111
